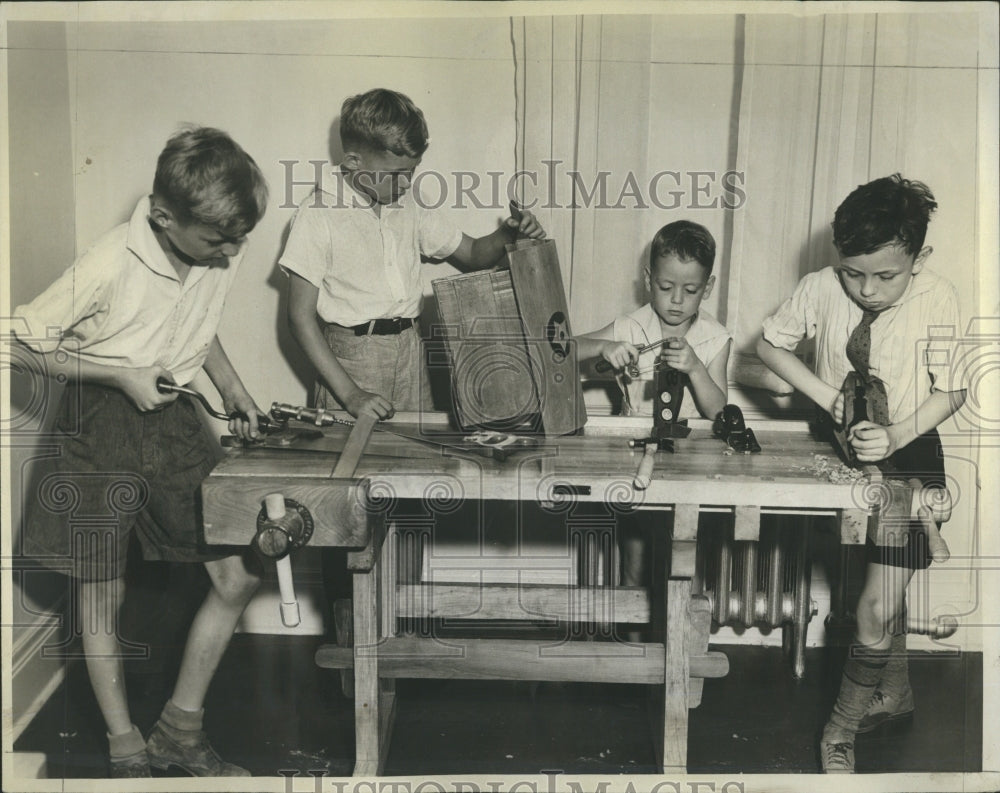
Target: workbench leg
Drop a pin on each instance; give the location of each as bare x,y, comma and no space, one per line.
676,678
374,621
388,627
677,649
366,687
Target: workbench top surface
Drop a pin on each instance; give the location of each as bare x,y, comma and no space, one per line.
596,464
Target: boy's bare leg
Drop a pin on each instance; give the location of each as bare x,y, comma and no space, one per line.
177,738
100,603
882,604
232,587
880,607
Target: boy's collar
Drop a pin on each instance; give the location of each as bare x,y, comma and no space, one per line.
141,240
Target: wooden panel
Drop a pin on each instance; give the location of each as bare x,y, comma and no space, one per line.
541,303
523,601
523,659
230,506
491,378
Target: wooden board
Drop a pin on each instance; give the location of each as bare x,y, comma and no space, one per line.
522,659
541,303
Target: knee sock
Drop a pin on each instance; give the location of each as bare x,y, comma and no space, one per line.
862,672
125,746
180,724
895,680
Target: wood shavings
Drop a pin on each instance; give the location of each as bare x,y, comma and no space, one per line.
833,470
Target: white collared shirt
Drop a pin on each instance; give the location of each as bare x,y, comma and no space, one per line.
122,304
911,341
366,266
706,336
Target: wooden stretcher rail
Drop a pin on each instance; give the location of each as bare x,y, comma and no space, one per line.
523,602
521,659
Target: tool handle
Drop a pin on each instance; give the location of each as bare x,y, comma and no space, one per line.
274,504
515,210
644,475
940,511
164,386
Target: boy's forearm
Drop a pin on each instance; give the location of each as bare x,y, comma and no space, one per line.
790,369
221,372
588,347
488,250
331,373
708,397
934,410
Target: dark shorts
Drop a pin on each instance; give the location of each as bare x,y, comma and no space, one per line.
115,470
922,459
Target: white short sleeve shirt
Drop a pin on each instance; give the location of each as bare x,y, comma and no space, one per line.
122,304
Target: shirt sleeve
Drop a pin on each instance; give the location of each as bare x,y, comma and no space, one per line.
308,248
943,355
795,319
439,237
78,294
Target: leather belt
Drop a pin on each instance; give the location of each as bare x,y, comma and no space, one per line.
382,327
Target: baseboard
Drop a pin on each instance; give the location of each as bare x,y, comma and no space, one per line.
34,678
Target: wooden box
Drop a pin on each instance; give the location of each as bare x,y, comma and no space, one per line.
513,359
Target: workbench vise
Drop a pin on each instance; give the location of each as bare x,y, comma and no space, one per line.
669,395
669,387
283,525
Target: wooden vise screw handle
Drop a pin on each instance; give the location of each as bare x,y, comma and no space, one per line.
274,504
939,513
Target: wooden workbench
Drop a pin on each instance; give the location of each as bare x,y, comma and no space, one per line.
594,466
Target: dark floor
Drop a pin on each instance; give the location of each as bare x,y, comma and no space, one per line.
271,710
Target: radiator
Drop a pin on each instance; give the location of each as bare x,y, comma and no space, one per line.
762,584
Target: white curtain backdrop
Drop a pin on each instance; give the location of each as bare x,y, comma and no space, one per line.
804,144
582,94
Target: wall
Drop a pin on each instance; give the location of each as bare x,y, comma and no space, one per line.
91,104
41,245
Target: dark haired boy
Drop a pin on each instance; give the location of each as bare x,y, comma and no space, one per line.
143,304
869,314
353,258
678,277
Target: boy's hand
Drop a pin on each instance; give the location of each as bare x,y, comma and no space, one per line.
365,402
619,353
245,425
678,354
525,223
872,442
139,385
836,408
